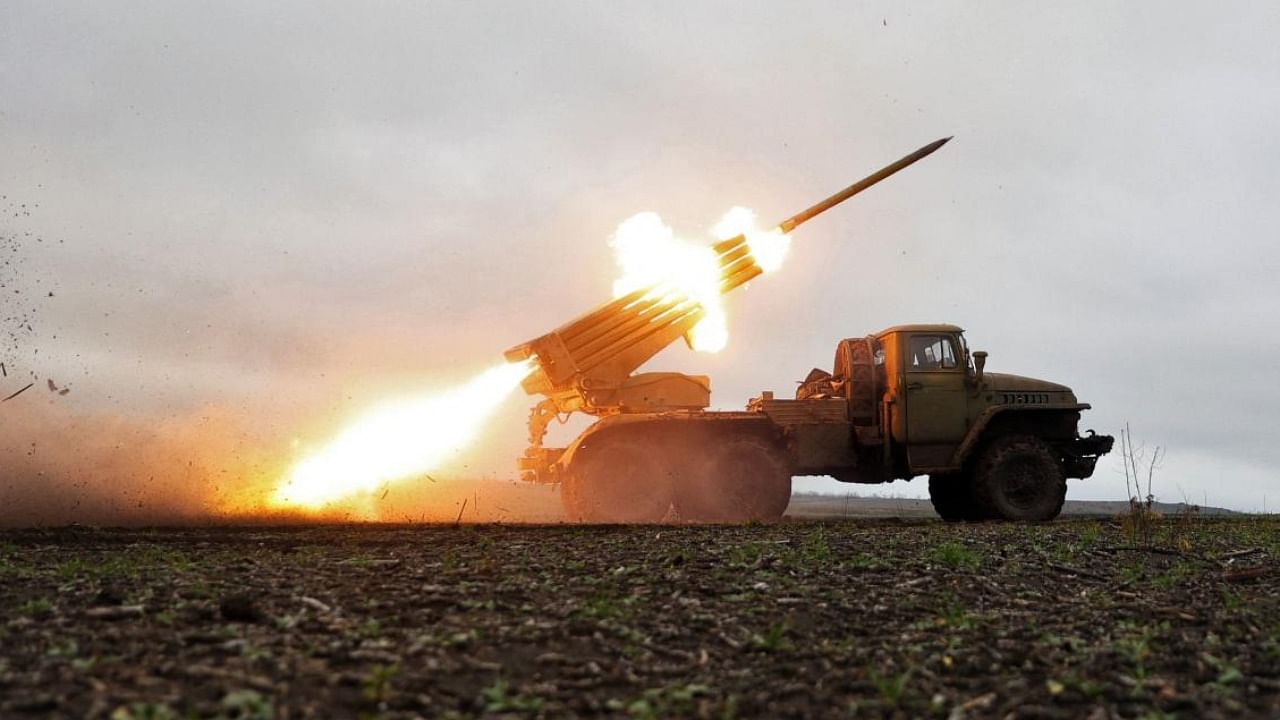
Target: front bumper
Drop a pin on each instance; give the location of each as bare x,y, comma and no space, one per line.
1079,456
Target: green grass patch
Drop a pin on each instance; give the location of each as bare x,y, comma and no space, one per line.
890,687
955,555
498,698
36,608
773,639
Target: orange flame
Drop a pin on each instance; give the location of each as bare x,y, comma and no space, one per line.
398,439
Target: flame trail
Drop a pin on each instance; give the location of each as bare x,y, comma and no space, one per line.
398,439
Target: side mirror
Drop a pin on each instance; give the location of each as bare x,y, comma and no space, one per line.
979,362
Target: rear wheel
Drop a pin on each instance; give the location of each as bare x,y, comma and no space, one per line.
1019,478
743,478
617,481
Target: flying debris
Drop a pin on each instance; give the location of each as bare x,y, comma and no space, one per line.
19,392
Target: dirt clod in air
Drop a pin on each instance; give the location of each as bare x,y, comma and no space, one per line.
240,608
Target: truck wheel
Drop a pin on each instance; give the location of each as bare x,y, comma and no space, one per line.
1019,478
742,478
952,497
616,482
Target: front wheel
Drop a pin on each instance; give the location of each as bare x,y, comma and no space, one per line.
1019,478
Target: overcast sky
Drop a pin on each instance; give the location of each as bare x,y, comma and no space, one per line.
291,211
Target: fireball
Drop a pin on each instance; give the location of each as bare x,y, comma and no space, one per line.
649,255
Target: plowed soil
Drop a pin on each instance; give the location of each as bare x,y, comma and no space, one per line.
1080,618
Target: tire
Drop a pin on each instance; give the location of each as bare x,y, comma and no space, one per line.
743,478
617,481
1019,478
952,497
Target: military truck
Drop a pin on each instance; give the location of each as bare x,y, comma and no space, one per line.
908,401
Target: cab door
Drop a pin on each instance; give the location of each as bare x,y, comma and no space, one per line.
936,398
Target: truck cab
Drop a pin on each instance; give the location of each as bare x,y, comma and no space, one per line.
940,414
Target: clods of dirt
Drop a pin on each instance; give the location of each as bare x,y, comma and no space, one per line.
240,607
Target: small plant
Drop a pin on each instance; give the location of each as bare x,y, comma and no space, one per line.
1173,576
144,711
1089,535
865,561
71,568
664,702
449,560
746,554
462,639
954,615
376,686
890,687
679,557
247,705
84,664
773,639
815,548
1139,521
1135,647
1084,685
36,608
1228,673
370,628
1134,572
602,607
497,699
955,555
68,648
1272,645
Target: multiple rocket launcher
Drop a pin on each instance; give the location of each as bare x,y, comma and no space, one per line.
578,363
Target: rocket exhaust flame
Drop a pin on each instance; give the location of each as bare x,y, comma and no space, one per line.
398,439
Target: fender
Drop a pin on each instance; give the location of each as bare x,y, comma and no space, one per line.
979,428
684,422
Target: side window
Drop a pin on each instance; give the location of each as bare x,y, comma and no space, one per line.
931,352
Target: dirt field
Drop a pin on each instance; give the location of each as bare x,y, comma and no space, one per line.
841,618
